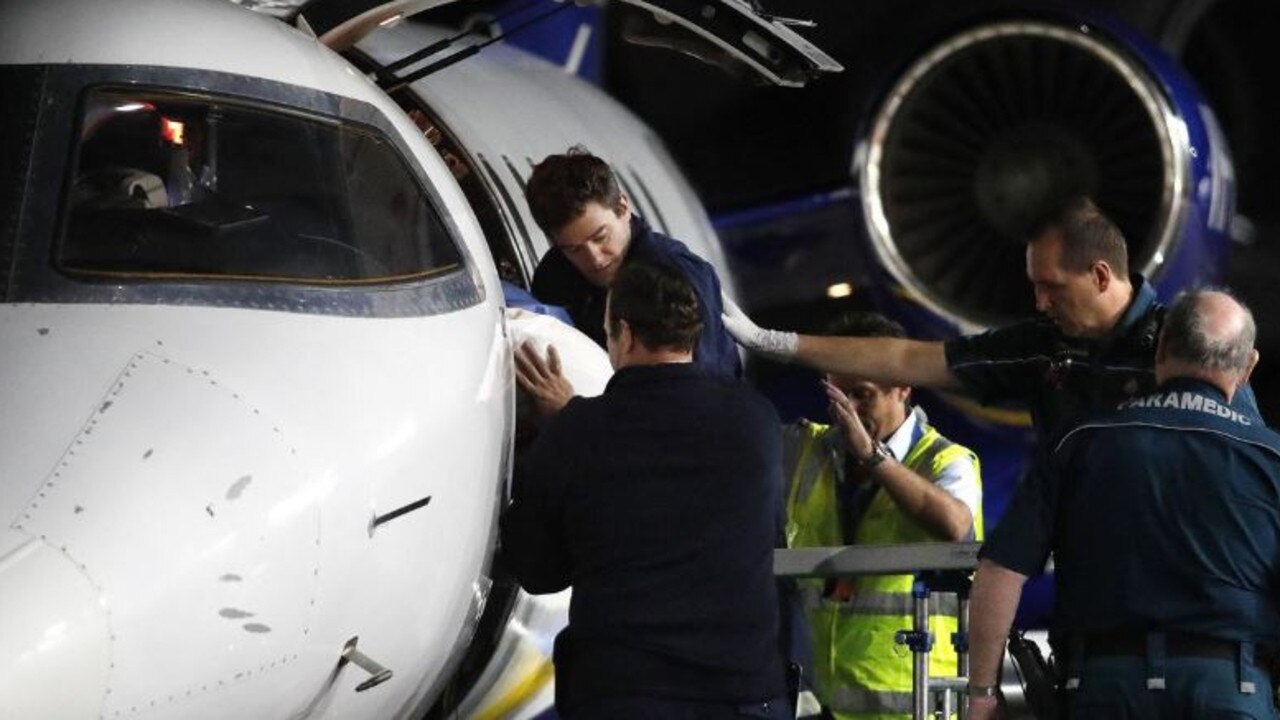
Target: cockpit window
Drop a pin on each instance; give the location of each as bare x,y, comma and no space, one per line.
169,185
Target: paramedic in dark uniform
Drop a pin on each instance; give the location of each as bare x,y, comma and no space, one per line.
1163,517
1092,346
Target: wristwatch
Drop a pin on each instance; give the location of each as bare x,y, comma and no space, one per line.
981,691
879,453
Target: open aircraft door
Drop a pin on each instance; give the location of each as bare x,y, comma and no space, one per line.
732,34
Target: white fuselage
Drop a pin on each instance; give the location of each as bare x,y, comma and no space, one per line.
188,483
191,491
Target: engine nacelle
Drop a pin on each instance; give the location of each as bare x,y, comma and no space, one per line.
980,135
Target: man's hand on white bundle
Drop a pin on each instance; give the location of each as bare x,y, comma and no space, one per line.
544,380
776,344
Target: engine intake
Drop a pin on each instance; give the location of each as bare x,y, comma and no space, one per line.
982,135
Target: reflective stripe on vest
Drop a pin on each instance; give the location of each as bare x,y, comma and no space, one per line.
861,700
811,518
879,603
900,605
812,454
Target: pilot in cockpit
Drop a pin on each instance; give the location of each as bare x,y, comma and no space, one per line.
133,156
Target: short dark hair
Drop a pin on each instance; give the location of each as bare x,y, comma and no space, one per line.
1088,236
863,324
658,303
1186,336
562,186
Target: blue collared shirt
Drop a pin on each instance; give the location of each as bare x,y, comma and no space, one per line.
1060,378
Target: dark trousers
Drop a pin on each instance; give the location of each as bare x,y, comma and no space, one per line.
1115,688
625,707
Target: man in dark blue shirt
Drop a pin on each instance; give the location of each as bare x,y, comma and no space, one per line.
1092,347
576,200
657,502
1163,517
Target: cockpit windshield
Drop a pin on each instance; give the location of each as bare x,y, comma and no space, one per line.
167,184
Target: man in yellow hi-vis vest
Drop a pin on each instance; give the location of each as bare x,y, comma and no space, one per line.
880,475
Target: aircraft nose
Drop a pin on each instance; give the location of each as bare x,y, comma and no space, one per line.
55,639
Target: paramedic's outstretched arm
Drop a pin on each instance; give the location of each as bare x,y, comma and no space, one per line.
993,602
891,361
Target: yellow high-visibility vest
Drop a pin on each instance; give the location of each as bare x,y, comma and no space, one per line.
859,671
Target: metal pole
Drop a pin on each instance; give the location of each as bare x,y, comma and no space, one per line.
962,650
920,653
952,691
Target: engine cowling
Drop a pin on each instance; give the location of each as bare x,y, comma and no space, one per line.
992,126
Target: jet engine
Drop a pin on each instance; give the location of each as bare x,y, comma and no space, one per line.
985,131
